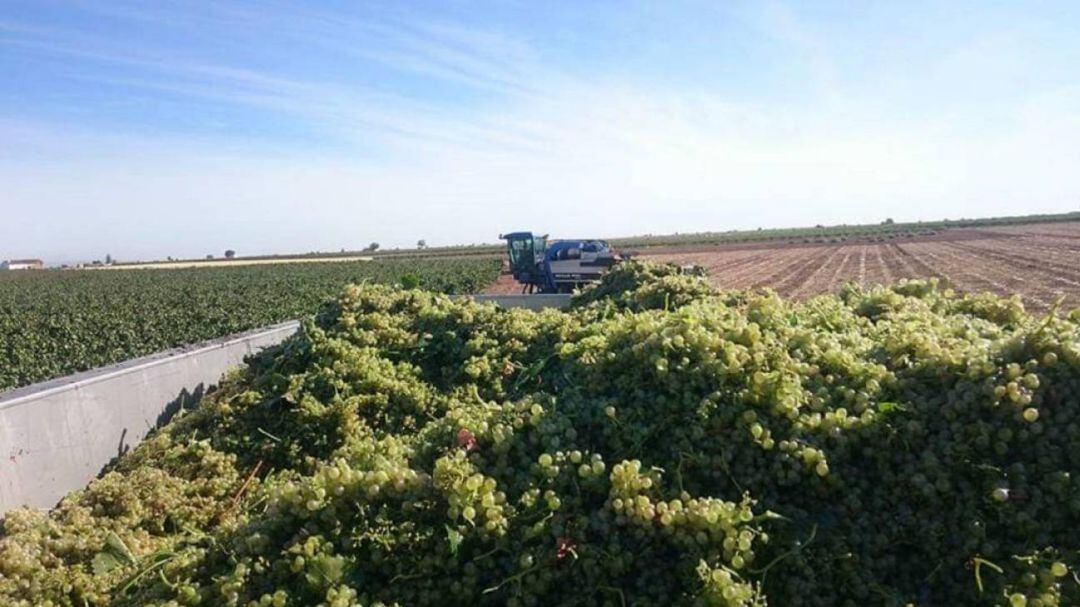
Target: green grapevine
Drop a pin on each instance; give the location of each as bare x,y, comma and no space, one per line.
58,322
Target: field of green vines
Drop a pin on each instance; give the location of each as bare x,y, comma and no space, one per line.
59,322
660,443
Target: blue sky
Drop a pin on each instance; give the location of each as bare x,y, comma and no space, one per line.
147,129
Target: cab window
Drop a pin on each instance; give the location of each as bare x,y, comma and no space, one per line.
518,249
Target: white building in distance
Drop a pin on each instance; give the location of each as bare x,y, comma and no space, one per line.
22,264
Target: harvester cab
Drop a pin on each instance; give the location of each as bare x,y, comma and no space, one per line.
558,267
525,252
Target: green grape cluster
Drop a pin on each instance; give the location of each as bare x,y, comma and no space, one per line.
659,443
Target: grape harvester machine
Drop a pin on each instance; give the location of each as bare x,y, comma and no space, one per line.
557,266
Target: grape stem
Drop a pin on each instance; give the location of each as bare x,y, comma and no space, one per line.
400,578
143,573
978,562
934,572
268,435
161,574
727,471
1051,315
796,549
487,554
622,597
678,471
512,578
244,487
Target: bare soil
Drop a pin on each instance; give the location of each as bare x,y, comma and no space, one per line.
1039,262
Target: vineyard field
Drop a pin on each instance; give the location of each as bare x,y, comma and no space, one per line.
1040,262
60,322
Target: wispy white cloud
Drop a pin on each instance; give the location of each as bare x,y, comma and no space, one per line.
473,59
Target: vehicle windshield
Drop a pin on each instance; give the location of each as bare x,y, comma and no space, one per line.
520,249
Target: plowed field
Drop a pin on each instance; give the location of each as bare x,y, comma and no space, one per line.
1040,262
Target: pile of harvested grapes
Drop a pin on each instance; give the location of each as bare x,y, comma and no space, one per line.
660,443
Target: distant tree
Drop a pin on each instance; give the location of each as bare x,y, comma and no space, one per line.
421,244
169,258
108,258
889,221
372,247
230,254
819,226
210,256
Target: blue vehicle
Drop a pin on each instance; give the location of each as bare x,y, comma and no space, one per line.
559,266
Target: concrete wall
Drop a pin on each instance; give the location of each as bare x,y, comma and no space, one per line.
57,436
531,302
